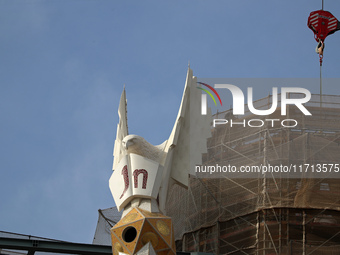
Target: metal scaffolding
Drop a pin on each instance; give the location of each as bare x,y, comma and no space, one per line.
271,214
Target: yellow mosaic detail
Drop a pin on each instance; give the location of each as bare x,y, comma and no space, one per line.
130,217
163,228
150,237
117,247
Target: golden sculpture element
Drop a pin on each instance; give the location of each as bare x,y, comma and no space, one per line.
162,228
140,227
131,217
150,237
116,248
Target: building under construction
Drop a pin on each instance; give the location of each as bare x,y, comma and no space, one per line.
273,213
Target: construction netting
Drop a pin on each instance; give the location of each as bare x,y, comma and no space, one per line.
266,213
107,218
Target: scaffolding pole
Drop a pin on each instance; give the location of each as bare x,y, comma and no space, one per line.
324,243
304,233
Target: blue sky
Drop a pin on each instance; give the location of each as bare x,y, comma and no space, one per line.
63,64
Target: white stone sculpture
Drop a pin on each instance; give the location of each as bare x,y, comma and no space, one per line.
143,172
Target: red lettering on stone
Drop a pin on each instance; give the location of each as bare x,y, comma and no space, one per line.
125,174
145,177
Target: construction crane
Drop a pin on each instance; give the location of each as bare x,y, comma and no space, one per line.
323,24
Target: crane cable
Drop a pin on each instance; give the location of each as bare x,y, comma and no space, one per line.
320,83
320,59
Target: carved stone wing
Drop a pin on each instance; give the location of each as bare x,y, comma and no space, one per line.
122,131
187,141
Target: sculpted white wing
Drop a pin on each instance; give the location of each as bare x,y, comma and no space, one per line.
188,139
122,130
